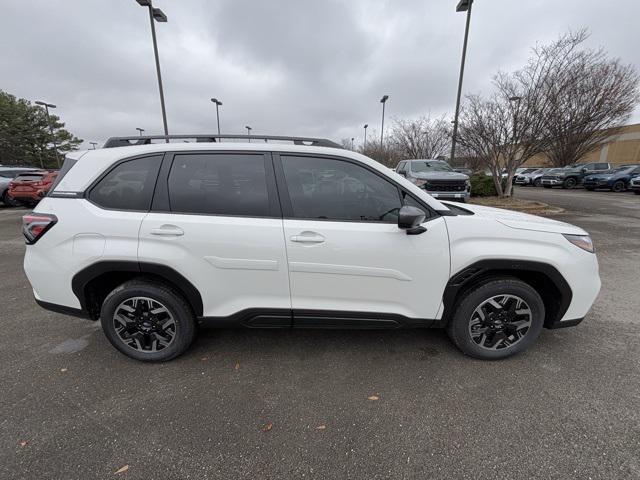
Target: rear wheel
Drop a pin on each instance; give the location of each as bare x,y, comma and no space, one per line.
497,319
147,321
8,201
618,186
569,183
537,182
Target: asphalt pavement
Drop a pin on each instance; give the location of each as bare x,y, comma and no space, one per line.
329,404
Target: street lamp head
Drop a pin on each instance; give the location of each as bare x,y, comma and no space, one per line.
248,127
216,101
45,104
464,5
384,99
515,98
144,3
366,125
159,16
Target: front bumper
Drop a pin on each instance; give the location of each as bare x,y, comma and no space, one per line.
523,181
450,195
552,181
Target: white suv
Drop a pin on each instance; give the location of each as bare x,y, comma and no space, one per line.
155,239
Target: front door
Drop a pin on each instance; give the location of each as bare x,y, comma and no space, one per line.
345,251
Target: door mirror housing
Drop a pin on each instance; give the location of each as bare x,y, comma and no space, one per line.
410,218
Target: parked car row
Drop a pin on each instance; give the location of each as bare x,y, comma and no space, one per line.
24,186
598,175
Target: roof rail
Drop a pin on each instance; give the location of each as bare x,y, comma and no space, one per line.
148,139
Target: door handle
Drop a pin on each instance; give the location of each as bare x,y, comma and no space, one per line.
307,237
167,231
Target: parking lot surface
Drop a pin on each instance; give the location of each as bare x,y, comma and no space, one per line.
330,404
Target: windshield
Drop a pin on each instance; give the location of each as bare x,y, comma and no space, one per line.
430,166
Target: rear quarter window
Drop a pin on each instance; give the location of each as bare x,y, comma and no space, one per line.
128,186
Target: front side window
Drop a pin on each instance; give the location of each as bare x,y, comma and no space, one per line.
219,184
602,166
129,186
330,189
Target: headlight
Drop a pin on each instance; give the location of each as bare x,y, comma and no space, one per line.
467,182
582,241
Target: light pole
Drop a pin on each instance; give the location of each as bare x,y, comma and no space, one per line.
248,131
140,130
463,6
366,125
93,144
218,104
159,16
383,101
47,106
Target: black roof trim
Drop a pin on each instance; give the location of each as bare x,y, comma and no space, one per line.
147,139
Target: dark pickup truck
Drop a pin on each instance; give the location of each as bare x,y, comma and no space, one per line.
572,175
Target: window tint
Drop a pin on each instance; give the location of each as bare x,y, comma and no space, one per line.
222,184
339,190
129,186
29,177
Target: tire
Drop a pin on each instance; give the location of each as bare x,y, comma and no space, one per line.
569,183
466,320
153,337
618,187
8,201
537,182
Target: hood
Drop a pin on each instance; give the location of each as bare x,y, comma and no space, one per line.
523,221
440,175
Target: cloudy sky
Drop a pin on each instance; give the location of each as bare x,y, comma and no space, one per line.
301,67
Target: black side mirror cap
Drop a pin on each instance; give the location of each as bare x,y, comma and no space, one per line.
410,218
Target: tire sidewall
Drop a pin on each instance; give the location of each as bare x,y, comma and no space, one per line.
618,184
179,309
459,325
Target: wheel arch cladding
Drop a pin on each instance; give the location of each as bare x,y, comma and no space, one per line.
92,284
544,278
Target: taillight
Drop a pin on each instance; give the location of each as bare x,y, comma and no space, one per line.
35,225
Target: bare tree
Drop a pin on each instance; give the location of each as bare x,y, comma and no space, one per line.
421,138
589,95
548,106
387,155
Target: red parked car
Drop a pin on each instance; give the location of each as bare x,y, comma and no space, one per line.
28,188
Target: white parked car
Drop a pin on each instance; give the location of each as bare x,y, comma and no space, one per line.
291,235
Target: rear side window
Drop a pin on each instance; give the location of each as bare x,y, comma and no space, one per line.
129,186
219,184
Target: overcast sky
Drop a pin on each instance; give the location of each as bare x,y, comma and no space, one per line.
290,67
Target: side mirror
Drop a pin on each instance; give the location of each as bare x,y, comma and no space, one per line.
410,218
584,169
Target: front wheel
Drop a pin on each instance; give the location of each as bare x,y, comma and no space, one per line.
537,182
148,321
497,319
569,183
618,187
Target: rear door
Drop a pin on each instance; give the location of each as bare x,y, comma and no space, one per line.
216,220
345,250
